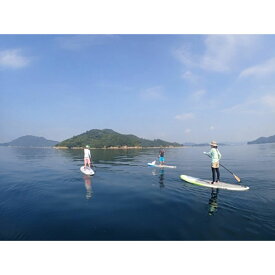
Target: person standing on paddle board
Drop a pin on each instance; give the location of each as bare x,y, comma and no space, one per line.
87,157
215,155
161,156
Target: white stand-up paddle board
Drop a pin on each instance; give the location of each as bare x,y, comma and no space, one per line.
160,166
207,183
87,170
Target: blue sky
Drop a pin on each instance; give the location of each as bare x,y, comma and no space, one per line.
184,88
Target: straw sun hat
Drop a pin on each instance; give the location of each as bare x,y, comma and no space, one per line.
214,143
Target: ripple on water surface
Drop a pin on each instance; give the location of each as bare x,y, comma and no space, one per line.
43,195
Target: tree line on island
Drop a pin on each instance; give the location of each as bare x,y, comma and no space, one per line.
107,138
95,138
30,141
262,140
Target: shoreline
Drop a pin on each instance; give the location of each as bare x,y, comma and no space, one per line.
94,148
117,148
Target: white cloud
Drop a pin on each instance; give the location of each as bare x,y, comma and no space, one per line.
153,93
187,131
260,70
248,107
184,55
79,42
268,100
220,54
212,128
256,105
187,75
221,50
190,76
185,116
197,95
13,59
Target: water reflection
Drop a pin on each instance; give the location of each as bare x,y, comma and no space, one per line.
88,186
29,153
101,155
160,173
213,202
161,178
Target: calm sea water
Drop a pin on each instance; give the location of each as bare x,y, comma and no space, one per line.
44,196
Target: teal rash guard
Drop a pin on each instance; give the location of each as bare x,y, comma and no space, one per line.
214,154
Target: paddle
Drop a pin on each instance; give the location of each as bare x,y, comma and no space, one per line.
236,177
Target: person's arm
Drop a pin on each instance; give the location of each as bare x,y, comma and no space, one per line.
219,155
207,153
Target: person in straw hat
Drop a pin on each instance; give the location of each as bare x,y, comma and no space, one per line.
215,155
87,157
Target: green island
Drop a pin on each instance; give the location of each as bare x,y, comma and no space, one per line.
30,141
262,140
109,139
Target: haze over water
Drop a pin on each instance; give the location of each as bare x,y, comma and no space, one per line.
44,196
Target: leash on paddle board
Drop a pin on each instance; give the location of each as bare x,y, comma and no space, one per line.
236,177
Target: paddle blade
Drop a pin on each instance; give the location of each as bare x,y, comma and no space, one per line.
237,178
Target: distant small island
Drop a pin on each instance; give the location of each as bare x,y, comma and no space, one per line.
109,139
262,140
30,141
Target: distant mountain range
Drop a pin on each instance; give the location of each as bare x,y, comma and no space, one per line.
30,141
199,144
195,144
108,138
260,140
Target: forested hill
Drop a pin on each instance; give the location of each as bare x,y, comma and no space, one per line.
30,141
260,140
108,138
